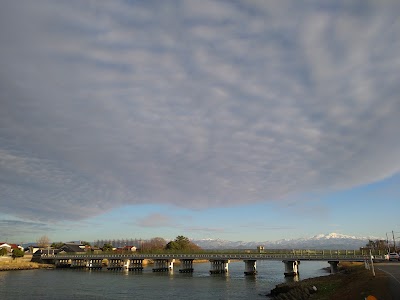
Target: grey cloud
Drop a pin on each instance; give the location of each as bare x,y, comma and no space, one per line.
12,228
156,220
168,221
109,104
262,226
205,229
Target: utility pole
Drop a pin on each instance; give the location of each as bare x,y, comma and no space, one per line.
387,241
394,242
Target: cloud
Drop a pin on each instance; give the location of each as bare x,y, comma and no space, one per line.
13,228
156,220
159,220
262,226
118,103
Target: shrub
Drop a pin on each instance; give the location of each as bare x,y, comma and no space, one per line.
3,251
17,253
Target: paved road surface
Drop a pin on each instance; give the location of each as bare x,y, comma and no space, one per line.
393,271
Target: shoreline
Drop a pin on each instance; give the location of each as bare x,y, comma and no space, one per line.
351,282
24,266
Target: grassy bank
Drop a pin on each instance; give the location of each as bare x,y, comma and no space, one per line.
352,282
22,265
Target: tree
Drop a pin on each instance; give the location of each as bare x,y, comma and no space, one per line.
155,244
18,253
57,245
181,243
43,241
107,247
377,245
3,251
172,245
86,243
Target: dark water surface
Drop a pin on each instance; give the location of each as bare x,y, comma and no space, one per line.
104,284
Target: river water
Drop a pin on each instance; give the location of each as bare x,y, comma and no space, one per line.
104,284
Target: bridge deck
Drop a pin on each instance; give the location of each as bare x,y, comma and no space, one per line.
298,257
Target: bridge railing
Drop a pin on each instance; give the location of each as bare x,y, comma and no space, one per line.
244,252
301,255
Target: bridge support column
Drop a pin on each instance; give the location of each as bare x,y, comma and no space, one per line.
291,267
250,267
95,264
62,263
114,264
219,266
78,263
334,266
135,265
163,265
186,266
126,264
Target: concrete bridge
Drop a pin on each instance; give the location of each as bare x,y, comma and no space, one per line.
219,261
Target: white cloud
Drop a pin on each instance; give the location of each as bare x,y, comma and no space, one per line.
112,103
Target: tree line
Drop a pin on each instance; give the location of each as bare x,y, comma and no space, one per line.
380,245
180,243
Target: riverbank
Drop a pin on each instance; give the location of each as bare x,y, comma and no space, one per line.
352,282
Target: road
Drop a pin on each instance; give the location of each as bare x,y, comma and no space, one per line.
392,269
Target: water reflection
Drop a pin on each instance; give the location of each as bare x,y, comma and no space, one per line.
292,279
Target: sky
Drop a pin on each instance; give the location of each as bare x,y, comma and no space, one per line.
239,120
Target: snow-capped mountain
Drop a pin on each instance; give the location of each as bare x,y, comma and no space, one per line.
320,241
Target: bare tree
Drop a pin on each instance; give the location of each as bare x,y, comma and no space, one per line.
153,244
43,241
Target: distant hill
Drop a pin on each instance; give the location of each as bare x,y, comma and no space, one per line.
320,241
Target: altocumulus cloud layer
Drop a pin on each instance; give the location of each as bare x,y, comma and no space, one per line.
193,103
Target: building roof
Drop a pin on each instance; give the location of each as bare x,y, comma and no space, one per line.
12,246
72,247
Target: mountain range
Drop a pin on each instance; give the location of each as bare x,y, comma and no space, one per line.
320,241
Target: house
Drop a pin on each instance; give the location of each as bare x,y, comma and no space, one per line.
130,248
126,249
72,248
36,256
5,246
96,250
10,247
32,249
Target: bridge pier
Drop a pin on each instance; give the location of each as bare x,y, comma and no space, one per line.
186,266
334,266
126,263
114,264
135,265
250,267
95,264
219,266
163,265
291,267
78,263
62,263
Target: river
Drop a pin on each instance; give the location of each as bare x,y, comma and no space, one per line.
103,284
